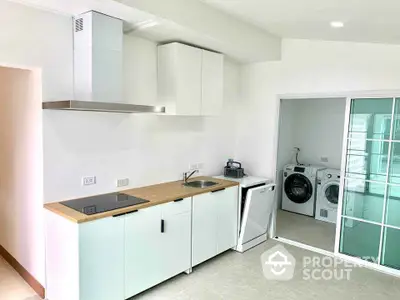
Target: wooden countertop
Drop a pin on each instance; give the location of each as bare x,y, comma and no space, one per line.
155,194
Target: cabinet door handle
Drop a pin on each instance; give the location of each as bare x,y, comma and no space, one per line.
119,215
178,200
123,214
162,226
220,190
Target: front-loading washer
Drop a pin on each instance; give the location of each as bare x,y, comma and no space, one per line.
327,195
299,188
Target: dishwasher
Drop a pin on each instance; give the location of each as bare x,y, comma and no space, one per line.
257,198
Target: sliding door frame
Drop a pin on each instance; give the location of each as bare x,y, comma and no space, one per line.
377,266
342,174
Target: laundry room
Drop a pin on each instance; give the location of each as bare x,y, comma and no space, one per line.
308,170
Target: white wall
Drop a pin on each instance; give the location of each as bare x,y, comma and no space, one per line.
307,67
287,134
21,172
33,38
316,127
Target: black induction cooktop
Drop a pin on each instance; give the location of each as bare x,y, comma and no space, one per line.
102,203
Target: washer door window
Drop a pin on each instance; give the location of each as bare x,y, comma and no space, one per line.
298,188
331,192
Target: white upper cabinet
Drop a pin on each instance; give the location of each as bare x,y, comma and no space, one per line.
179,79
212,83
190,80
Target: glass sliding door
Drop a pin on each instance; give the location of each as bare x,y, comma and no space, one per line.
370,208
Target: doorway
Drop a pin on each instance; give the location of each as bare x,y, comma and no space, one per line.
308,170
21,176
368,224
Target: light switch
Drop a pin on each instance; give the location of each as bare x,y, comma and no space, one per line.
89,180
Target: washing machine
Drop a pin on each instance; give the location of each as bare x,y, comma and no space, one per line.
328,184
299,188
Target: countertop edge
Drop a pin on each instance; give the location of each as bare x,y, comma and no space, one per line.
79,218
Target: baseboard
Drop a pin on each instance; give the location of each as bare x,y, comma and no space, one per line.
35,285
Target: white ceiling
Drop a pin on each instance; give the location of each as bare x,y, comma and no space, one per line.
178,20
365,20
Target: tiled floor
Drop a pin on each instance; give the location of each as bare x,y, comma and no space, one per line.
235,276
306,230
12,286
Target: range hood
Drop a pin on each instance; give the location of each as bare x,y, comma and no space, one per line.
102,107
98,68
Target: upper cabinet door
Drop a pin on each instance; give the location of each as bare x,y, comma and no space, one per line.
212,83
179,79
189,80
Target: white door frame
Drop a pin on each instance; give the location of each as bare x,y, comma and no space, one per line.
280,97
348,96
342,174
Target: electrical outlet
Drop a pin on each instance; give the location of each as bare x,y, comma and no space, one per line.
200,166
192,167
122,182
89,180
324,159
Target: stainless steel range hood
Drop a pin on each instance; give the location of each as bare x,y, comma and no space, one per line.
98,68
102,107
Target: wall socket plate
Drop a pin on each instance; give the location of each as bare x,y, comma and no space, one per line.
196,166
324,159
192,167
89,180
122,182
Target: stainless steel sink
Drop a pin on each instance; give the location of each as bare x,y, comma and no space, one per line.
201,184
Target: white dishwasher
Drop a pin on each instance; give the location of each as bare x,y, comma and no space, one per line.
256,196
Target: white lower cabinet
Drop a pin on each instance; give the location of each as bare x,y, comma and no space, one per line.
157,245
214,223
101,259
204,225
119,257
227,209
84,261
176,239
142,248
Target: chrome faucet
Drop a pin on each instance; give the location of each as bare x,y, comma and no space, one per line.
186,176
